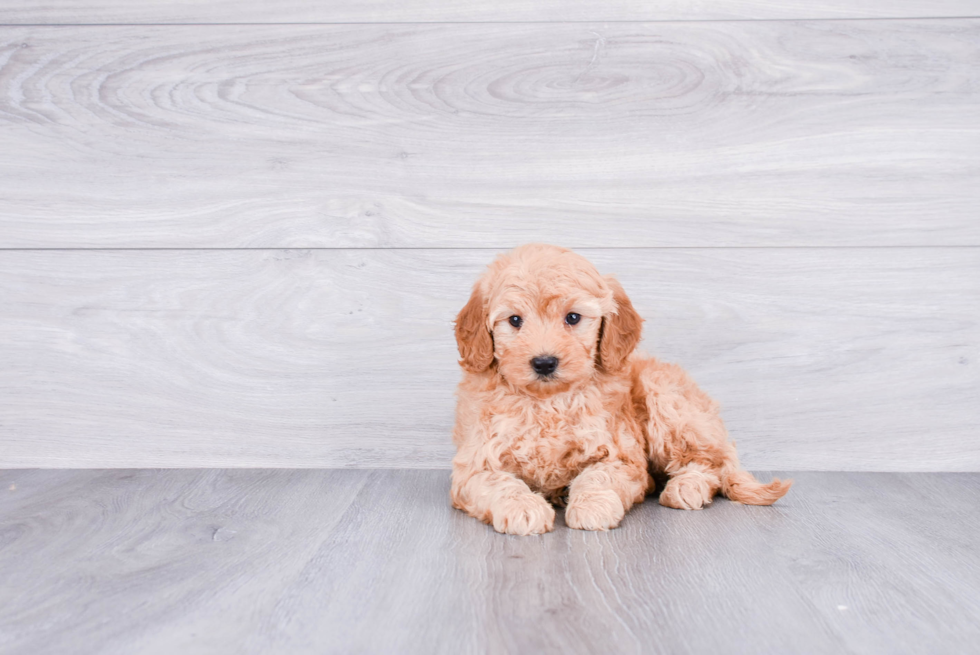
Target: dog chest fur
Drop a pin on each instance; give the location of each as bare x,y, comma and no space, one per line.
546,442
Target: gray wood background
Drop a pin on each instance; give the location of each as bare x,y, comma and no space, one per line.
87,12
236,234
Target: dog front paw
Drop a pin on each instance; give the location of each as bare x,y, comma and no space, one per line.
523,515
597,510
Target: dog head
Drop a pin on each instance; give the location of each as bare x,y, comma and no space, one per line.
546,320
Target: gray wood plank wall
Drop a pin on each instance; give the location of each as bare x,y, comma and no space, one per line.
87,12
648,134
243,245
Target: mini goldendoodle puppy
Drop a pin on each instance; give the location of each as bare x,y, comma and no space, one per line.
556,408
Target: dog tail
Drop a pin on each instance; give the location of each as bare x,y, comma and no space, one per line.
742,487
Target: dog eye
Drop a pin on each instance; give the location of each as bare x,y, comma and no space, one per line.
516,321
573,318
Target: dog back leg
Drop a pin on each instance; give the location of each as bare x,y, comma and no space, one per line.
686,439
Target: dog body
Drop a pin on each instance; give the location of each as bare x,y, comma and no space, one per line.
554,403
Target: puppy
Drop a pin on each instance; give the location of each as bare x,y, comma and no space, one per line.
555,408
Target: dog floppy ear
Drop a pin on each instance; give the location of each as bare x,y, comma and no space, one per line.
473,339
620,332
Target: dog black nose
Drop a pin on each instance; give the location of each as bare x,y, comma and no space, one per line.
544,365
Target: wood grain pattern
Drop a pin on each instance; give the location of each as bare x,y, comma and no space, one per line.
376,11
637,134
855,359
376,561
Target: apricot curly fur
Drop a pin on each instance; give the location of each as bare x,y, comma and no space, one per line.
591,433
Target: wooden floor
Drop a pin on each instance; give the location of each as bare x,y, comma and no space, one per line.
289,561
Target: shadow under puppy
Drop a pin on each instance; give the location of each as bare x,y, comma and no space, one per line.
555,404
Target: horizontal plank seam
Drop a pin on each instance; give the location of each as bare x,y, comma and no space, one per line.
765,472
491,248
514,22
